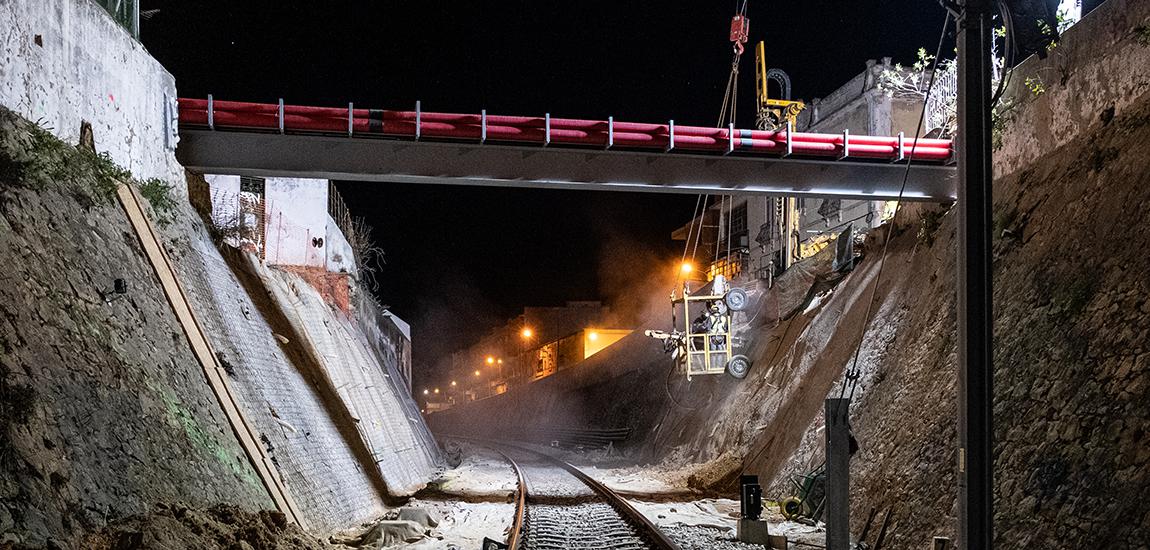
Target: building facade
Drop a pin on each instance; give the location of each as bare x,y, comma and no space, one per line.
536,344
759,237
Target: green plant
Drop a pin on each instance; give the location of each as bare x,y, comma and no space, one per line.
109,175
1035,85
159,195
1142,34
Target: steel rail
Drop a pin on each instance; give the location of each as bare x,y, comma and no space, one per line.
520,501
624,508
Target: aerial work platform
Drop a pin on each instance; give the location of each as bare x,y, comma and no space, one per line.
227,137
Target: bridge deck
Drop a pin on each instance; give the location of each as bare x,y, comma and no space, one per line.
564,153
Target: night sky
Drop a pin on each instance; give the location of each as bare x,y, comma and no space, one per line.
462,259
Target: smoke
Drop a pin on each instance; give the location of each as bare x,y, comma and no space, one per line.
635,280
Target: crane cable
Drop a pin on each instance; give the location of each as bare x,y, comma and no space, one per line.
732,91
851,376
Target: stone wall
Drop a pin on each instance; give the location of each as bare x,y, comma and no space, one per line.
64,61
104,410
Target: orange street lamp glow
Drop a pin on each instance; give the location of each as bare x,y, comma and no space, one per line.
476,373
592,336
500,361
490,360
686,268
527,333
436,390
453,383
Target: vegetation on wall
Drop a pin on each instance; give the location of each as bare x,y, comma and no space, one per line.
33,158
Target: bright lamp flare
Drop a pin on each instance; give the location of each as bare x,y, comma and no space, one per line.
527,333
686,267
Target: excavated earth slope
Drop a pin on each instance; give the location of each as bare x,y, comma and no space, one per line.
104,410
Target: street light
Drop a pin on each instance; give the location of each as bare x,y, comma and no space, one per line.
436,390
453,383
476,372
490,360
527,332
592,336
424,392
686,268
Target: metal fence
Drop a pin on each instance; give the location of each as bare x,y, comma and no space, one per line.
125,12
943,99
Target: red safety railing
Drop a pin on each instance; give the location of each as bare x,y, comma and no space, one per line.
418,124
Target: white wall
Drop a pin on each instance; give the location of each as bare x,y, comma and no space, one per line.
296,218
88,68
340,256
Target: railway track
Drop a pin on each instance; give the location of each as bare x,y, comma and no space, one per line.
559,507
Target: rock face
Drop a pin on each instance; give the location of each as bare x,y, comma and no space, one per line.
104,409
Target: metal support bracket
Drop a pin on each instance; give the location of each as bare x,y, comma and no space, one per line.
483,126
546,129
350,119
730,138
670,136
610,132
790,143
846,144
418,119
901,148
211,113
280,115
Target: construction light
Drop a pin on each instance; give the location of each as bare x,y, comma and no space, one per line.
490,360
453,383
424,392
476,372
686,268
436,390
592,336
500,361
527,333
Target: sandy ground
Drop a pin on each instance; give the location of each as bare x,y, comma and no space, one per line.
720,518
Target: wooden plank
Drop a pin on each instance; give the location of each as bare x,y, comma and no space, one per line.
202,348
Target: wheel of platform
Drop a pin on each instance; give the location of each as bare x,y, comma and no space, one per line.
736,299
738,366
791,508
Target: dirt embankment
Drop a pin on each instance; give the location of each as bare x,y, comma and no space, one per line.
104,410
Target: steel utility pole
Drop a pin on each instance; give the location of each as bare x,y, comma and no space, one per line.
975,307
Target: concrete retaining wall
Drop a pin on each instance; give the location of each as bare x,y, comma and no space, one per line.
65,61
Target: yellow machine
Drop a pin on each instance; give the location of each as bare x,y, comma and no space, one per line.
773,114
705,345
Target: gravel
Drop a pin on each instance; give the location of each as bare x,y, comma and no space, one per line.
706,538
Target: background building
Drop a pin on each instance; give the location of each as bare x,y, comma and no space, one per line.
761,236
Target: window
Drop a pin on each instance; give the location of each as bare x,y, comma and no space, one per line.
252,185
739,219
